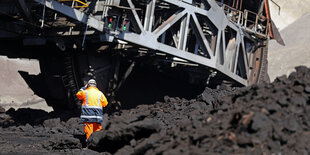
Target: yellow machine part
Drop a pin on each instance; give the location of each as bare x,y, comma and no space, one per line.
83,4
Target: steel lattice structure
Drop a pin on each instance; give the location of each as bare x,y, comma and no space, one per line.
219,36
201,32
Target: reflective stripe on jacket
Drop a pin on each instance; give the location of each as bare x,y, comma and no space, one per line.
93,101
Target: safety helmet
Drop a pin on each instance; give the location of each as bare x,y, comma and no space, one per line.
92,82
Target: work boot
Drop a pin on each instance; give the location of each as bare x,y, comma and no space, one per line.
86,148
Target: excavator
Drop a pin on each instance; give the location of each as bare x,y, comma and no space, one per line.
201,42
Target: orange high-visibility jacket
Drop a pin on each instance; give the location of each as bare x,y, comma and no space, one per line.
93,101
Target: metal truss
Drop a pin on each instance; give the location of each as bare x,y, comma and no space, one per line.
197,31
73,13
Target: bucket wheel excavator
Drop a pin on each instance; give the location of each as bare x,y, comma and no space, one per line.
205,42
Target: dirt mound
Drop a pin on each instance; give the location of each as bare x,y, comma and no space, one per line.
270,118
264,119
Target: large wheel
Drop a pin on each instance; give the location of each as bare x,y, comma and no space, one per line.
51,86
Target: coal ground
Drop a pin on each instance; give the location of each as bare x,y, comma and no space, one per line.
261,119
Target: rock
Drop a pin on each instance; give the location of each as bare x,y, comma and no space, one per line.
273,107
283,102
88,152
298,100
291,124
71,122
260,122
301,70
298,89
61,142
121,134
2,110
307,89
207,97
26,128
133,143
143,147
125,150
50,123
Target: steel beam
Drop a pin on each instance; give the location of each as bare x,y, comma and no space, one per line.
135,14
149,15
151,42
24,9
73,13
169,22
204,42
184,32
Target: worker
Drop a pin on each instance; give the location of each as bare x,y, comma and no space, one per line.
92,112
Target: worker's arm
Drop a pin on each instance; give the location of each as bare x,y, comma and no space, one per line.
103,101
79,94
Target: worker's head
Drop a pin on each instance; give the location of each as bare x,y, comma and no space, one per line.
92,83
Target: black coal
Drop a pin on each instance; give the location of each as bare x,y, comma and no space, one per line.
260,119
